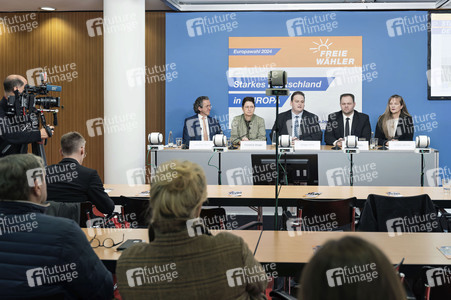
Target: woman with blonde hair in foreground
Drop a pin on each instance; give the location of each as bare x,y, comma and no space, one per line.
184,261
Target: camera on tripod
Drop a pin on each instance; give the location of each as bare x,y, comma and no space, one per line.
22,103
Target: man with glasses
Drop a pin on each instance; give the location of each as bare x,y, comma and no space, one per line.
200,127
70,182
42,257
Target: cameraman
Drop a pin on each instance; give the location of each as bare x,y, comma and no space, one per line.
17,130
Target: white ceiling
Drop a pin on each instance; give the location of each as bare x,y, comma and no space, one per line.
230,5
68,5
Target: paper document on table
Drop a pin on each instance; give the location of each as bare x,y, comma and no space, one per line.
108,190
312,194
446,250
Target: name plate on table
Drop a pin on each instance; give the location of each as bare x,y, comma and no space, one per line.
363,145
307,145
253,145
201,145
401,145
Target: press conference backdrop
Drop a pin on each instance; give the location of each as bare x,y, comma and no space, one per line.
394,61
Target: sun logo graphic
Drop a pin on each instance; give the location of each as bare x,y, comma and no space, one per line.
321,46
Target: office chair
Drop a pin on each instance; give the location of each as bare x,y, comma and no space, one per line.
216,219
324,215
441,283
387,214
70,210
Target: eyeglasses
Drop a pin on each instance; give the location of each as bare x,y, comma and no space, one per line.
107,243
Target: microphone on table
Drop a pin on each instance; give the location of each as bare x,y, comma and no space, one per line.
232,147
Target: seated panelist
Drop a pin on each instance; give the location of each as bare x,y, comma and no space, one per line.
200,127
248,126
395,124
297,122
346,122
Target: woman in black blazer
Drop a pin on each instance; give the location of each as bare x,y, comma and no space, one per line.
395,124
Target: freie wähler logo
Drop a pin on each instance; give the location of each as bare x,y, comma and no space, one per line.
349,275
422,223
150,275
52,275
310,25
407,25
209,25
329,56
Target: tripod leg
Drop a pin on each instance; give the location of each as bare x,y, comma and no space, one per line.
38,149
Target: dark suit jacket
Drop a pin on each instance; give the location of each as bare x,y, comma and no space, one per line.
335,129
192,131
68,181
404,131
310,129
14,131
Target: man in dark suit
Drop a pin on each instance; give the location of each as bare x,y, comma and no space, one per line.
200,127
305,125
347,122
69,181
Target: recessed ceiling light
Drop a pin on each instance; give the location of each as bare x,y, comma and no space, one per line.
48,8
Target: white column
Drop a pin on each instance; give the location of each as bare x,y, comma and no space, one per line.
124,89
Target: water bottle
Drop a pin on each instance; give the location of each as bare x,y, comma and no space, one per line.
170,140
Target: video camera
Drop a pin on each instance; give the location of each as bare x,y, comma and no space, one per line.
26,101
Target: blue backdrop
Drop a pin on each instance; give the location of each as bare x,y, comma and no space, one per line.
395,49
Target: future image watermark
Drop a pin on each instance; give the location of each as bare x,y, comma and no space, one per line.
439,276
18,23
407,25
248,176
111,125
344,76
435,176
52,275
361,173
210,25
155,74
422,223
242,276
107,225
250,77
15,124
55,74
350,275
17,223
198,226
120,23
165,172
312,25
151,275
306,224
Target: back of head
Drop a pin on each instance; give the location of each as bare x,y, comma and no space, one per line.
14,177
350,269
177,192
71,142
11,82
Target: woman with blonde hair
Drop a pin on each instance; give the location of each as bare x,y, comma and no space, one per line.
183,260
395,124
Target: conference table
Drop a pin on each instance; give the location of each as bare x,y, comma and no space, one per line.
291,250
371,167
264,195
